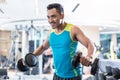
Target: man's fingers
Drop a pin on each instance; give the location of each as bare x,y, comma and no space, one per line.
85,61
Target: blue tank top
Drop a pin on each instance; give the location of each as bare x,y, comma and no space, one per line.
64,48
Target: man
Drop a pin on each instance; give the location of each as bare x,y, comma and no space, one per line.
63,40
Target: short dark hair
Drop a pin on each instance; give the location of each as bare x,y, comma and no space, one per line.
57,6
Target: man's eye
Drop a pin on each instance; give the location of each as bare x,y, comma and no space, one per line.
48,17
53,16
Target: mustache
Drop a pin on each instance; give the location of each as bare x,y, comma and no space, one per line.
51,22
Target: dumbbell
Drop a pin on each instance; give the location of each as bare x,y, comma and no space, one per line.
29,61
76,62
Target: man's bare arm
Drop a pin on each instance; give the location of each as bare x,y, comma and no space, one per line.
42,47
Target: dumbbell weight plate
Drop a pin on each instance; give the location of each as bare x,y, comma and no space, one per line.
31,60
22,67
95,66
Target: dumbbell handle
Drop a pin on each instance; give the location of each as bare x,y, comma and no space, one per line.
76,59
94,66
94,63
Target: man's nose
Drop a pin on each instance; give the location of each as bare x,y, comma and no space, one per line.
50,19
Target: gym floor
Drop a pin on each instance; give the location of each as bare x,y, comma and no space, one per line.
15,75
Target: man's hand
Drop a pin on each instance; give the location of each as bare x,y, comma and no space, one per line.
85,61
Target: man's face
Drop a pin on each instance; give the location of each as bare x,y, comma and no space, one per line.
54,18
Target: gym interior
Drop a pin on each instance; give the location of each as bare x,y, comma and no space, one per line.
24,26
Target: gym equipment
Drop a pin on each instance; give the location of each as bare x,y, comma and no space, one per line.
76,59
13,56
94,65
109,70
116,73
21,66
31,46
112,73
30,61
3,74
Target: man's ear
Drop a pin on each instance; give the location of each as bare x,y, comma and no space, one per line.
62,16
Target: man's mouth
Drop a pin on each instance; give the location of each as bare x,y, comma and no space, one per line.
52,24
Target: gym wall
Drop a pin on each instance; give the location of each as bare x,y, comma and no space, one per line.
5,43
92,32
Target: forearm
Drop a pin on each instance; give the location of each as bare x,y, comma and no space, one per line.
86,61
39,50
90,50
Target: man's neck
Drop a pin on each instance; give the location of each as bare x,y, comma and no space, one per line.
61,27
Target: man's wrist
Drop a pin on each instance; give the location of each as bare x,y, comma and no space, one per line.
90,57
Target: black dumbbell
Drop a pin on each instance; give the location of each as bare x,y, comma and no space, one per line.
76,62
76,59
29,61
